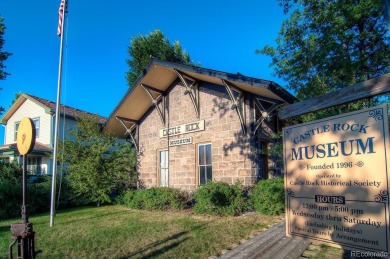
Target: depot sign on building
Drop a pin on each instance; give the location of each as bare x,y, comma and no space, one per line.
337,180
182,129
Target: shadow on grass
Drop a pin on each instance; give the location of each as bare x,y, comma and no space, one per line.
161,250
166,248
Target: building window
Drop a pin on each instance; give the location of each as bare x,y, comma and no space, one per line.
34,165
204,163
37,127
16,130
164,168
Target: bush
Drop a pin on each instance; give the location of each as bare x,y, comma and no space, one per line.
268,196
10,170
218,198
38,196
10,198
161,198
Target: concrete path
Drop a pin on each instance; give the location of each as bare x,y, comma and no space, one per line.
272,243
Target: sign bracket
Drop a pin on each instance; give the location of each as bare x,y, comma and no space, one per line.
158,102
238,102
133,131
192,90
265,113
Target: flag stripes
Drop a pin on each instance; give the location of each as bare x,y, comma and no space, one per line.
60,17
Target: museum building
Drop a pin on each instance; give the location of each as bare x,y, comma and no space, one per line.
191,125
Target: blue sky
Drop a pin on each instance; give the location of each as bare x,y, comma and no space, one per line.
221,35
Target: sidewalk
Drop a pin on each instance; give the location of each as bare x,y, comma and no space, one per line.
271,243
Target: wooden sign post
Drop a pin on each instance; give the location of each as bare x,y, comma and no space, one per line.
22,233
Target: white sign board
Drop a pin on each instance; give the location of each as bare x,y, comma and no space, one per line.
182,129
337,180
182,141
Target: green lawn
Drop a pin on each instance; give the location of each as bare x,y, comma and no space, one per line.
118,232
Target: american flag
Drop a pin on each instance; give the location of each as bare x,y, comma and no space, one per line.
60,17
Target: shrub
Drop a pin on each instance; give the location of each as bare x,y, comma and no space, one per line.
161,198
10,170
10,198
38,196
218,198
10,189
268,196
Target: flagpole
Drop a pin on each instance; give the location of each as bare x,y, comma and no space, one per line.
57,122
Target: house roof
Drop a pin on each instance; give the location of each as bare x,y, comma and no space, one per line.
38,147
49,106
160,75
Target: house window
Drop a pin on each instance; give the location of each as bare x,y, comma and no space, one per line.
204,163
16,130
34,165
164,168
37,127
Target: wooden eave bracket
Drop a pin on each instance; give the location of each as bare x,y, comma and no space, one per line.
192,90
238,102
158,102
133,131
265,113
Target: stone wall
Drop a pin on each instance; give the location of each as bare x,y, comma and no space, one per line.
231,160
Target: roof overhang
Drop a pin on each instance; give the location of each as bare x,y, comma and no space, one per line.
38,148
160,75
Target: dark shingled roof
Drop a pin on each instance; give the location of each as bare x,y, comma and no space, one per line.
67,110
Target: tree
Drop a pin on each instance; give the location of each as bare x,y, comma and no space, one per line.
330,44
153,45
97,164
3,56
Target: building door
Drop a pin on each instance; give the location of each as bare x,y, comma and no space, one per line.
164,168
262,160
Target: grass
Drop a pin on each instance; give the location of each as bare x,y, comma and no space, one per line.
118,232
328,252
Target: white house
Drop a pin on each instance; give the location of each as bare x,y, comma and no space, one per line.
42,112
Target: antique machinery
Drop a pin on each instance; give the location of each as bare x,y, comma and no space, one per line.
22,233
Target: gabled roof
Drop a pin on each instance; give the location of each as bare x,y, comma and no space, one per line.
49,106
160,75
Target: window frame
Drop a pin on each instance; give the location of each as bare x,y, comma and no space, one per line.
207,166
37,130
16,127
159,168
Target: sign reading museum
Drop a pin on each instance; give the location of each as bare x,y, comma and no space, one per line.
337,182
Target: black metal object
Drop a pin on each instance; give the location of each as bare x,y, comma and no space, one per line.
22,233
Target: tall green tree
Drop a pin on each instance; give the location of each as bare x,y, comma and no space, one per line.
153,45
325,45
96,163
3,56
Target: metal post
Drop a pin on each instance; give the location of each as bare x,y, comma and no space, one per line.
24,189
57,123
